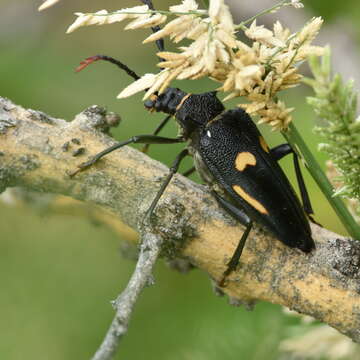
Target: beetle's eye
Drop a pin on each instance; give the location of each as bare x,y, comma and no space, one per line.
149,104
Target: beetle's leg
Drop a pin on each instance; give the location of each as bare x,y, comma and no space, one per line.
244,219
234,261
142,139
189,172
278,153
145,148
233,210
173,169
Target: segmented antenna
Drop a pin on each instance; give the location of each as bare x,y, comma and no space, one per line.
92,59
160,42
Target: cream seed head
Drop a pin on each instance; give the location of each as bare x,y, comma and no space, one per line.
145,82
141,15
46,4
255,71
297,4
185,6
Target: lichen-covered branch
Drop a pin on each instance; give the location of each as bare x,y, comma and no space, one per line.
37,152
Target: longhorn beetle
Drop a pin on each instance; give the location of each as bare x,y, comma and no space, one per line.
233,158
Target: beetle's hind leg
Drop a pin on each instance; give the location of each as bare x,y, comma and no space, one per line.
244,219
145,148
160,45
278,153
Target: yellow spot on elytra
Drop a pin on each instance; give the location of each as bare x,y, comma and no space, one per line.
263,144
249,199
244,159
182,101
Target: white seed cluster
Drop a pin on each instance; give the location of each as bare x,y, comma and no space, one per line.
336,179
297,4
141,17
47,3
257,71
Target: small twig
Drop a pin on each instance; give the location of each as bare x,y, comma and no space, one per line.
265,11
124,304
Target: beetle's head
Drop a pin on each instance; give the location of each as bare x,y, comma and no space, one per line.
191,110
166,102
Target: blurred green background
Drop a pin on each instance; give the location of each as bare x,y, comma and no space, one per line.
58,273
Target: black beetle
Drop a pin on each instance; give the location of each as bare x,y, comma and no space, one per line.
233,158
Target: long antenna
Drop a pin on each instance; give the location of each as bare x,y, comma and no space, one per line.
92,59
160,42
118,63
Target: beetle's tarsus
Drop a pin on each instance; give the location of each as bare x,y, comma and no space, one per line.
83,166
311,218
222,283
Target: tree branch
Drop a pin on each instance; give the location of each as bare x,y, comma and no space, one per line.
324,284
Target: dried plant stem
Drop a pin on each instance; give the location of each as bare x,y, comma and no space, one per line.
153,12
124,304
296,141
241,26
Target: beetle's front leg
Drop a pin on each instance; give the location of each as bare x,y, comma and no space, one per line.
138,139
145,148
244,219
173,170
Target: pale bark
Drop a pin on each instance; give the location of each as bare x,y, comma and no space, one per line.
324,284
